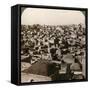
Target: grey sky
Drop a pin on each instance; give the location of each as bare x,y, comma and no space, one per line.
51,17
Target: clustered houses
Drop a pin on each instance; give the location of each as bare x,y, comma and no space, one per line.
63,45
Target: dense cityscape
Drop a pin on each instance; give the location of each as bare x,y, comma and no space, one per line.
52,52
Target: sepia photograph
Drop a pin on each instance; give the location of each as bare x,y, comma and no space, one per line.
53,45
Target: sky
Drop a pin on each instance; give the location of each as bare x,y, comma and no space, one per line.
32,16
